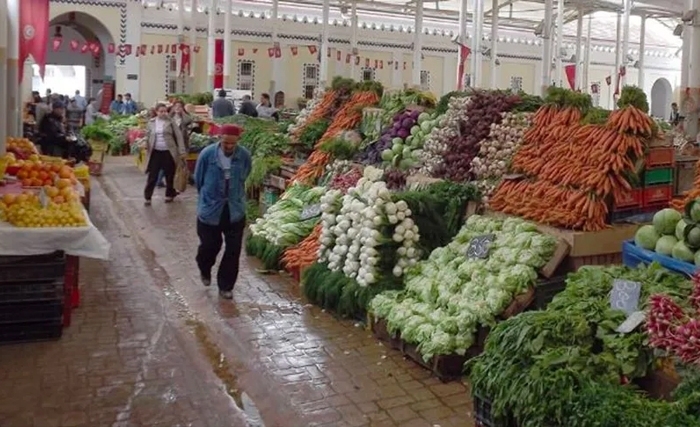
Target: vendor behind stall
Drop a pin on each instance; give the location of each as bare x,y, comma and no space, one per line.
52,133
265,109
248,107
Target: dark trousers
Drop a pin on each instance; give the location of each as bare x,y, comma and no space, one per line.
160,160
210,239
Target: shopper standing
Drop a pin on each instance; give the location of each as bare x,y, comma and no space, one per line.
130,107
222,107
220,176
165,148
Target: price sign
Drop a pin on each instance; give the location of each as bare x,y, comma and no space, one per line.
310,211
630,324
479,246
625,295
43,198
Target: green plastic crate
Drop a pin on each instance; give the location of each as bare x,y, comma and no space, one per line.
658,176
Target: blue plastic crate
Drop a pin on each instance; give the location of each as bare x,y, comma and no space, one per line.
633,255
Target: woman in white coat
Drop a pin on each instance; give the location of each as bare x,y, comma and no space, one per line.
166,147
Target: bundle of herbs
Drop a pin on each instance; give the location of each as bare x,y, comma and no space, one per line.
537,366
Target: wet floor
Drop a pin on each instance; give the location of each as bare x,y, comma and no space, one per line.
151,347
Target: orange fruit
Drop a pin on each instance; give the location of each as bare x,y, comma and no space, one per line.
63,183
9,199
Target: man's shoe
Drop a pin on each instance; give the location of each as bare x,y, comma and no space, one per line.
147,203
206,281
226,294
169,199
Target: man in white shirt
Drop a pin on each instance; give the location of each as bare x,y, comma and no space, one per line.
91,112
80,101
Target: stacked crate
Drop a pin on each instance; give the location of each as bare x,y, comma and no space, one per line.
659,165
655,188
31,297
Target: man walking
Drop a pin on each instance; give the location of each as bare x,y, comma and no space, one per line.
222,107
220,175
80,101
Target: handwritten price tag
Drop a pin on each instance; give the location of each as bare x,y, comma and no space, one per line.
479,246
630,324
625,295
310,211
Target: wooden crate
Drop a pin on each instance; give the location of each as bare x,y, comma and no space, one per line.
574,263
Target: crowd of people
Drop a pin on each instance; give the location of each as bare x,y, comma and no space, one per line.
223,107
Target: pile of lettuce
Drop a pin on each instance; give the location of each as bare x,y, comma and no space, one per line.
448,296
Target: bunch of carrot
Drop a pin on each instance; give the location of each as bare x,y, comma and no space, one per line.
550,204
305,253
323,109
348,117
575,167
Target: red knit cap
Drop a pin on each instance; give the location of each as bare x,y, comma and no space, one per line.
232,130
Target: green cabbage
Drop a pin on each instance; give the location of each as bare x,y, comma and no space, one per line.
682,252
665,221
680,229
693,237
665,245
646,237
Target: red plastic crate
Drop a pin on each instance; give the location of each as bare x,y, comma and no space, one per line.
657,195
632,199
660,156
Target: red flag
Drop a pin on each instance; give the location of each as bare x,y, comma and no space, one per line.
167,49
196,49
295,50
34,33
84,48
608,80
127,49
137,53
595,88
110,48
271,52
219,64
74,44
174,46
338,55
381,64
160,48
278,52
347,58
255,50
570,71
185,60
464,53
623,70
56,43
96,48
404,65
376,63
241,51
153,49
312,49
367,62
143,49
357,60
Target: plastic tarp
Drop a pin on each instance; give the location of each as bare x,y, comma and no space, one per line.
633,255
78,241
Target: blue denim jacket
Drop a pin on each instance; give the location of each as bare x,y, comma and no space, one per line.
210,181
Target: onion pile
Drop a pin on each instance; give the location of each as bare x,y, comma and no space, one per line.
484,109
496,151
446,129
304,114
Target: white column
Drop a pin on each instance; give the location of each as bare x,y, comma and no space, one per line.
587,64
547,45
625,39
227,43
616,73
14,125
132,64
353,39
691,117
579,60
685,56
275,83
211,45
180,39
560,42
397,73
3,77
193,42
418,43
478,19
642,47
462,37
324,43
494,44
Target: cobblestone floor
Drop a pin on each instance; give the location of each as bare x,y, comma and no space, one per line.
151,347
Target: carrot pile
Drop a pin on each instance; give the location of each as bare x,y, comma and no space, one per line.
322,110
572,170
347,118
305,253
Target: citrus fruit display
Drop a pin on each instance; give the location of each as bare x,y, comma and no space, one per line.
22,148
26,209
37,174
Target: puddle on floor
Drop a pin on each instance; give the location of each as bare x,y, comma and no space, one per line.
224,371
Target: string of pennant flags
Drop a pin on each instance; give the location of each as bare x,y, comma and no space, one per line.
276,52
